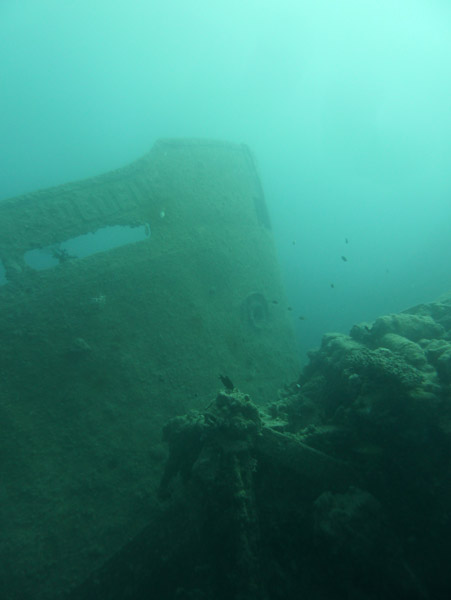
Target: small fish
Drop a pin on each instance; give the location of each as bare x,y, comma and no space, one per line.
227,383
275,302
289,308
346,241
294,242
332,285
301,318
344,259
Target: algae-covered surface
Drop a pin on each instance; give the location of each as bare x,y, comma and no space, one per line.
339,488
99,351
127,474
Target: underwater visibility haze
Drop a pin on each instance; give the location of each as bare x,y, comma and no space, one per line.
344,104
225,299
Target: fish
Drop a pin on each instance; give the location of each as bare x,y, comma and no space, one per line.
227,382
346,241
332,285
344,259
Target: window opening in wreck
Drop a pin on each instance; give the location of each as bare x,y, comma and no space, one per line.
255,310
82,246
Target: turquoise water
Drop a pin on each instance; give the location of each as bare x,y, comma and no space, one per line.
345,105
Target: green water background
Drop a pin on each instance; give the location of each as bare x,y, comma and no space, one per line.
346,105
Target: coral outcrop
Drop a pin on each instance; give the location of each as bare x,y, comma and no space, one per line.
339,488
